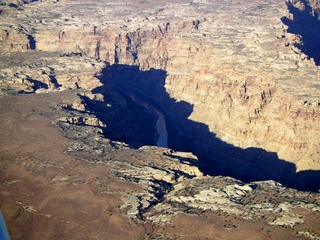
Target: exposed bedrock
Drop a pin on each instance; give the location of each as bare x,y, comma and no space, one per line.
86,86
136,126
304,22
236,89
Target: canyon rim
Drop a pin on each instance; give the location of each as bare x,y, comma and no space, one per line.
197,119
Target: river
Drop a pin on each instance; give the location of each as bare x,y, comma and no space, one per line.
160,124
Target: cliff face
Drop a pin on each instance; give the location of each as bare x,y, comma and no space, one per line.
248,82
237,85
52,183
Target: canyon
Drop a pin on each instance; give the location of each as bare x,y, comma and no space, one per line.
87,86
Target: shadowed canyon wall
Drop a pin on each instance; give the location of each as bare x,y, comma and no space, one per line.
130,124
250,84
83,84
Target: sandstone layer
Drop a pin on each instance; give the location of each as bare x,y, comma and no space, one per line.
237,82
237,63
77,184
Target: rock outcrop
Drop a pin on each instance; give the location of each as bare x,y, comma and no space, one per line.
226,67
237,83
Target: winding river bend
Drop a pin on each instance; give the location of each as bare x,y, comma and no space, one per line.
161,122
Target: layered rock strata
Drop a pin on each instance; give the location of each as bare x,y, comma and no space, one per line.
79,184
235,82
228,68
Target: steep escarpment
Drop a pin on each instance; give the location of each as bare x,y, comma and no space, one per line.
54,182
304,22
225,69
217,156
89,87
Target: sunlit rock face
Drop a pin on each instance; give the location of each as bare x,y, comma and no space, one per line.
251,84
237,84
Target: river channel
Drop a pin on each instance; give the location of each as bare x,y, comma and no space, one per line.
160,124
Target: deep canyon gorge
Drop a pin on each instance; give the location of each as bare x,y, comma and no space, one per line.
142,119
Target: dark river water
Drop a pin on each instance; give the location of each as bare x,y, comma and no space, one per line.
161,122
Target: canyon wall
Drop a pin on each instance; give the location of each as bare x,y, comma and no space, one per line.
240,70
82,86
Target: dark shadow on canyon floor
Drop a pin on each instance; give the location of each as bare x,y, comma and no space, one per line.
134,125
36,84
305,23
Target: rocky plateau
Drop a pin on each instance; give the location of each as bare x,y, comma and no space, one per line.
232,89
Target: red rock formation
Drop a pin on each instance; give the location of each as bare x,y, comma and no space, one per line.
245,83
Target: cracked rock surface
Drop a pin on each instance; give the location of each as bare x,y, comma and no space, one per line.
237,84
